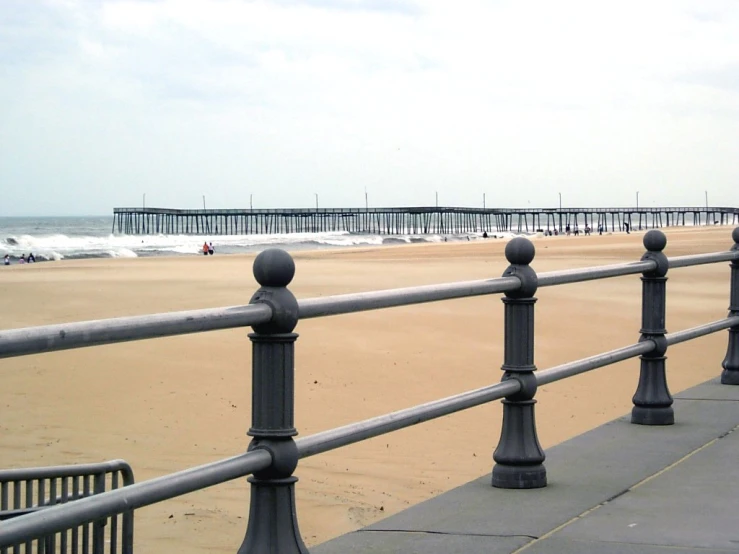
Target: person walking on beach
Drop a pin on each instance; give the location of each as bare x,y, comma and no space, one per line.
23,259
6,261
211,250
205,249
31,258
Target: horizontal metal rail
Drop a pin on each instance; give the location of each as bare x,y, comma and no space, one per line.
357,302
99,506
375,300
74,470
569,369
584,365
10,514
48,338
701,330
702,259
549,278
380,425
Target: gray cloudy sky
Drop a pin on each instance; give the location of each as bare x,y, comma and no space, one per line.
102,101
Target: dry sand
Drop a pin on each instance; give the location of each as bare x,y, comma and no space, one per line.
168,404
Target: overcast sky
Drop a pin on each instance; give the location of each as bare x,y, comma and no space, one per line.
103,101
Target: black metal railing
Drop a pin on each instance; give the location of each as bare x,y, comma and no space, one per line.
274,312
33,490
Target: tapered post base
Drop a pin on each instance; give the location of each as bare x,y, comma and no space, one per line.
653,401
519,455
641,415
519,477
273,523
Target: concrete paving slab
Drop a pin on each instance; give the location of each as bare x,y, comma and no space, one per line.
692,504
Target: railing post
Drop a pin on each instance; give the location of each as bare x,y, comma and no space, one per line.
519,457
652,400
730,374
273,524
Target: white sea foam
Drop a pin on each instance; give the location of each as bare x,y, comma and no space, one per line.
122,253
60,246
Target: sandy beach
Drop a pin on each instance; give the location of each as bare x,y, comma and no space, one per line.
168,404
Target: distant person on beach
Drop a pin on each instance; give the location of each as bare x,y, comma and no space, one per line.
587,229
600,229
7,259
211,250
205,249
484,234
31,258
626,226
567,229
23,259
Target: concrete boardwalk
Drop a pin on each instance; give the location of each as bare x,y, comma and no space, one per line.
619,488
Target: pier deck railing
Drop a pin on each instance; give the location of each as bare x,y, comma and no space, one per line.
273,312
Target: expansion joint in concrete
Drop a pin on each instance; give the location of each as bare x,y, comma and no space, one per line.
708,399
423,532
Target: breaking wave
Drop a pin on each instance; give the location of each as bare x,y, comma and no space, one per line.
62,246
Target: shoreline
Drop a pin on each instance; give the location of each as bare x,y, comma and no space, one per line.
333,249
55,245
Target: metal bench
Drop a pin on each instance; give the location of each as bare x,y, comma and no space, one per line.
29,490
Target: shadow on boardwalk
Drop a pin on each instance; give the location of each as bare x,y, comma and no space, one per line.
620,488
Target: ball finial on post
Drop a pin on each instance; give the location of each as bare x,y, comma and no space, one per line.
274,268
520,251
655,240
735,237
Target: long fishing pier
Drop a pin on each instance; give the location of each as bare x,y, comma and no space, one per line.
409,220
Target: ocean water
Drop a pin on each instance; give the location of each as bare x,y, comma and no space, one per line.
59,238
